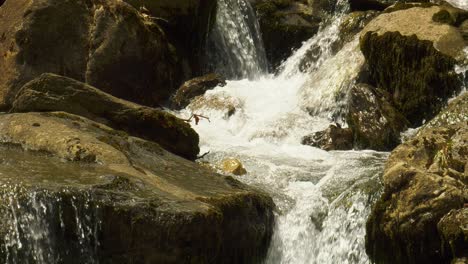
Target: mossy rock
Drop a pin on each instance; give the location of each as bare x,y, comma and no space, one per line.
195,87
50,92
412,57
374,122
134,203
285,24
417,219
419,78
108,44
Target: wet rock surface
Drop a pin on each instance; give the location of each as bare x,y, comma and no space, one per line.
196,87
233,166
375,123
285,25
118,198
424,52
333,138
420,216
185,23
107,44
50,92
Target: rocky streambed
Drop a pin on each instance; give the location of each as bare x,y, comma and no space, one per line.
98,146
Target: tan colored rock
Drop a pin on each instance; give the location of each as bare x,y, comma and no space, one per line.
147,205
50,92
412,58
233,166
107,44
418,21
415,219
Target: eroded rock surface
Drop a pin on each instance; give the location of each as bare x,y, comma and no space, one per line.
196,87
333,138
118,198
374,122
50,92
412,57
107,44
420,218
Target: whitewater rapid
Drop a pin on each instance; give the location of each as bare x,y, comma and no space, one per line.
323,198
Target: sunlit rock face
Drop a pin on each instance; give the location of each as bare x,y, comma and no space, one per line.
108,44
419,217
80,192
425,53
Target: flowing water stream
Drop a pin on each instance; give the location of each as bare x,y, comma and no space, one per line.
235,48
323,198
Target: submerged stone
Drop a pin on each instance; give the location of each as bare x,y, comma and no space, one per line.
233,166
374,122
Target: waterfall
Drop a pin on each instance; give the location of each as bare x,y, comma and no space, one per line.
235,47
37,233
323,198
463,4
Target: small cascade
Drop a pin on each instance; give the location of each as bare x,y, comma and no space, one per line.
323,198
317,49
48,228
463,4
326,89
235,48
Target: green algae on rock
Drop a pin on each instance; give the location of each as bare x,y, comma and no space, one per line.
135,202
50,92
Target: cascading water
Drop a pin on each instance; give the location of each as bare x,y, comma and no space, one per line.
463,4
234,47
323,198
37,233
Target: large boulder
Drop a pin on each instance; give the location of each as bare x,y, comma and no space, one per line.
80,192
284,26
421,215
108,44
412,57
196,87
375,123
50,92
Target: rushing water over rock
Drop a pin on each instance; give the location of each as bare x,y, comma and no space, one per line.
463,4
323,198
37,232
235,47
